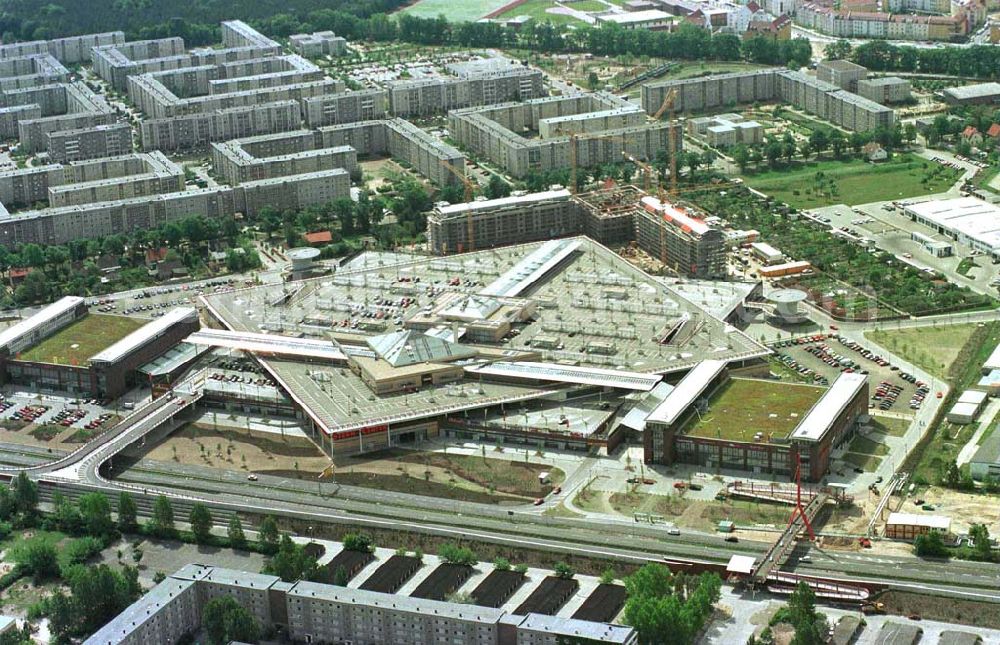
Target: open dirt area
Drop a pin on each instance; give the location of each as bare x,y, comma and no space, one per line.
952,610
486,479
695,514
964,509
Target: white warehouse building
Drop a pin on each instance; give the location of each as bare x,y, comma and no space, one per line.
967,220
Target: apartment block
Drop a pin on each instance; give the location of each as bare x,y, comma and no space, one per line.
11,116
31,71
236,33
319,43
195,131
89,143
345,107
726,130
50,99
310,612
680,239
33,133
428,155
842,73
292,192
517,219
366,137
557,126
70,50
234,161
495,133
887,89
805,92
427,97
115,63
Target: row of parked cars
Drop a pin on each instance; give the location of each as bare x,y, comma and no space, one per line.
861,349
822,352
793,364
30,413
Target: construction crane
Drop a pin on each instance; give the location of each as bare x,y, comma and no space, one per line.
470,186
668,107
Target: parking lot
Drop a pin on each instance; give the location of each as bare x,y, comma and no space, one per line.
46,417
822,357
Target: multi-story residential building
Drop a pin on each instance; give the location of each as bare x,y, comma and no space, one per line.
311,612
319,43
70,50
886,89
842,73
345,107
193,131
499,84
89,143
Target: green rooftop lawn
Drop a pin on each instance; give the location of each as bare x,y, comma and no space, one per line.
75,344
826,182
743,407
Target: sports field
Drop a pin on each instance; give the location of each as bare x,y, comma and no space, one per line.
454,10
74,344
743,407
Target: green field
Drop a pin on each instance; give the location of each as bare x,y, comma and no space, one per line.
743,407
454,10
826,182
74,344
933,349
693,70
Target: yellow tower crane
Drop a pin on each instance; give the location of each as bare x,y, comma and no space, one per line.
668,107
470,187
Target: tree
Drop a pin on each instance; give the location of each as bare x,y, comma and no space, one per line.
454,554
839,50
981,543
563,570
96,512
201,522
127,520
268,534
97,594
741,155
237,539
292,562
225,620
358,542
162,522
810,626
25,494
656,609
930,544
953,476
819,140
40,559
497,187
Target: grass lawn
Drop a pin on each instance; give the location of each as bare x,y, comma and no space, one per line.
743,407
864,462
890,425
696,514
74,344
866,446
930,460
454,10
46,432
853,181
930,348
692,70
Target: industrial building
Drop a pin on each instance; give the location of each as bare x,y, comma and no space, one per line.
319,43
907,526
311,612
827,424
494,133
967,220
885,89
977,94
825,100
968,406
842,73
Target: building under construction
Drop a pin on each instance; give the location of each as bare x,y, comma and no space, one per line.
612,216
